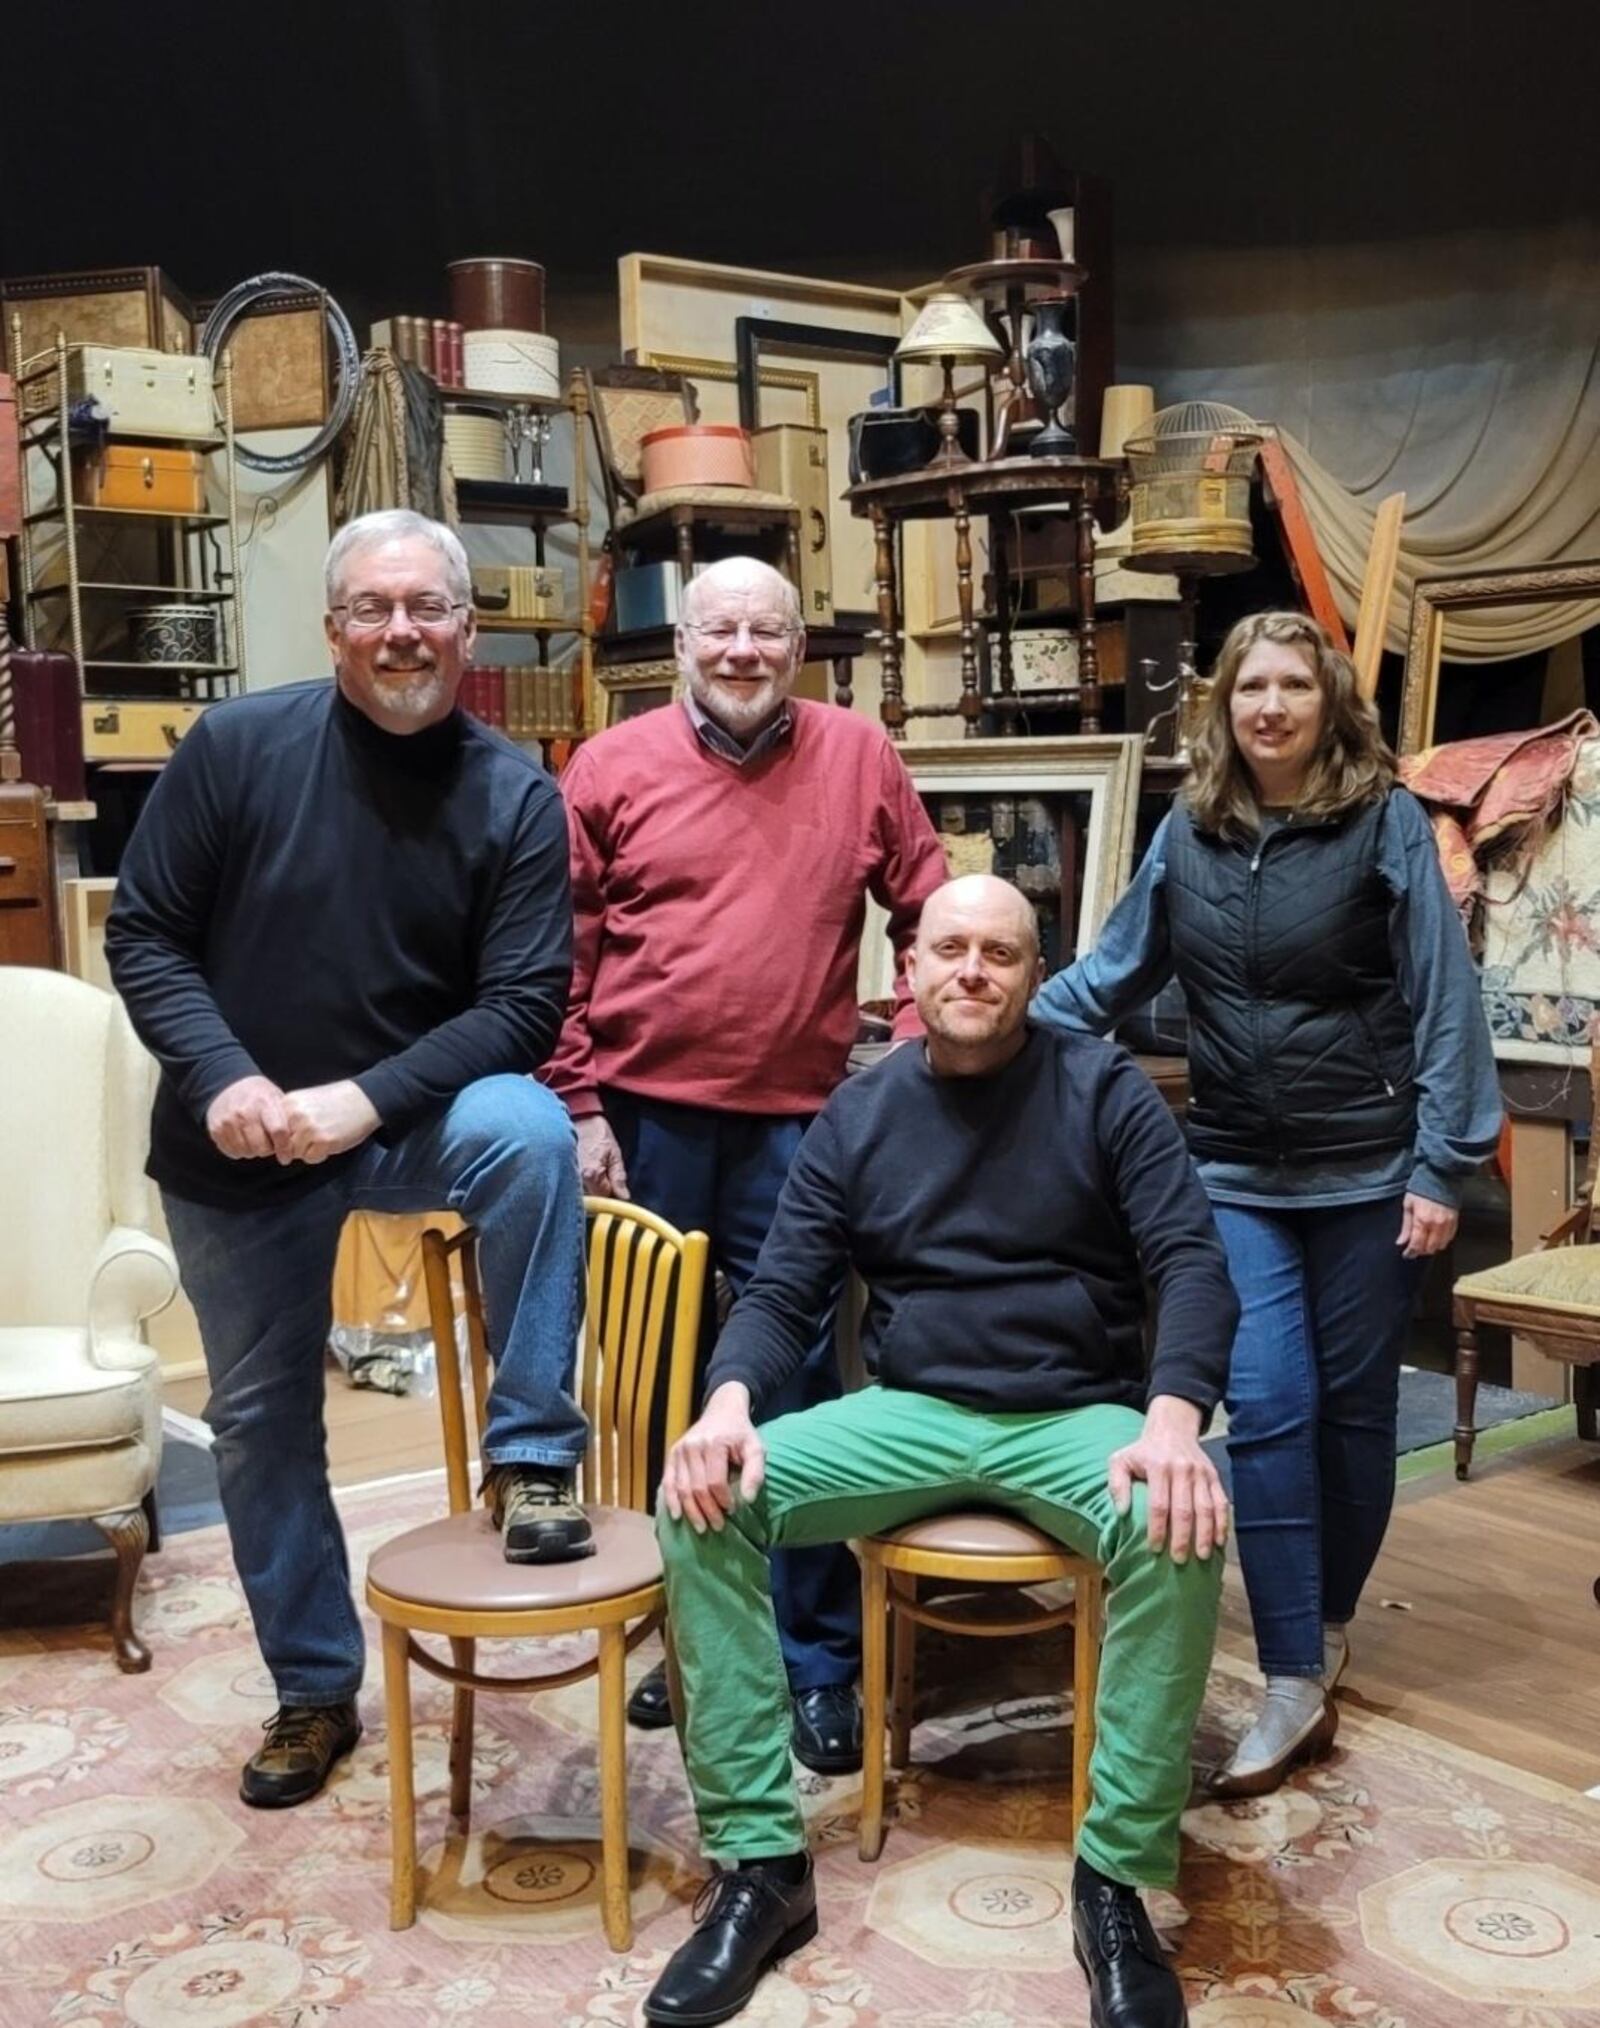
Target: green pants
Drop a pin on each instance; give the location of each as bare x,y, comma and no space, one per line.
877,1459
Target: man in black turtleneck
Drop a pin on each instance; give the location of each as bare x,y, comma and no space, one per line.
1004,1193
343,927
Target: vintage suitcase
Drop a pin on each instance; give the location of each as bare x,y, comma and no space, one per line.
128,730
99,306
47,697
27,918
146,393
144,477
792,459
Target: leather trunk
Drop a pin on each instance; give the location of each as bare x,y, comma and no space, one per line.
146,393
145,477
44,687
27,919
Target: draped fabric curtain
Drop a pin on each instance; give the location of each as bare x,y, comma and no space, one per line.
1463,372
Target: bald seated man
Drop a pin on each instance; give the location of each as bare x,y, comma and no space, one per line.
722,853
1004,1192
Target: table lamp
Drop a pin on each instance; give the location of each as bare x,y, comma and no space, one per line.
948,329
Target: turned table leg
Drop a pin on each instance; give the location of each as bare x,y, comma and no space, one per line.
129,1536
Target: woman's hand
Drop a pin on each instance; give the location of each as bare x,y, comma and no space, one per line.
1425,1227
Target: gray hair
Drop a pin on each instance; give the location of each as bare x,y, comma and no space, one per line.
396,524
739,567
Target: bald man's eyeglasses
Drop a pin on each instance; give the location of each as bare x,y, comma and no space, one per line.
767,640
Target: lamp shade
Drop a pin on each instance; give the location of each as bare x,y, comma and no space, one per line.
948,327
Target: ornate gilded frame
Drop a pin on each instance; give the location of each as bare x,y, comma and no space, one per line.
625,687
1107,767
1433,597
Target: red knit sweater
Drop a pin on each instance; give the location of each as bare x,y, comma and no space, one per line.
719,908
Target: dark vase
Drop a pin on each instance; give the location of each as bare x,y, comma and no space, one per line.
1051,358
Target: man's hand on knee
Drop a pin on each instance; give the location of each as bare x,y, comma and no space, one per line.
1187,1507
246,1118
696,1483
600,1159
324,1119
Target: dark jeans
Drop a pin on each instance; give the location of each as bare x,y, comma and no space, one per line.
1313,1397
720,1173
502,1153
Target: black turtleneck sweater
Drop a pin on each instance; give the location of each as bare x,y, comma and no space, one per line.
1005,1227
309,897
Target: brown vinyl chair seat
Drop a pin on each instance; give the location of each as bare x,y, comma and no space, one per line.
976,1532
455,1564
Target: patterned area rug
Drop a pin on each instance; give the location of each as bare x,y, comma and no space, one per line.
1402,1885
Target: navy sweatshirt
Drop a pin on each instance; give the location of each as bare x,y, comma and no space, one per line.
309,897
1003,1226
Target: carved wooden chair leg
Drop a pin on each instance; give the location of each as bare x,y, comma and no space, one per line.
153,1517
129,1536
464,1655
1466,1396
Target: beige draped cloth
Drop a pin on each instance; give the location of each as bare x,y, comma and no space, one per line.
1461,371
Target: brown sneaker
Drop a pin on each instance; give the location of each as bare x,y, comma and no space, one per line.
537,1516
303,1742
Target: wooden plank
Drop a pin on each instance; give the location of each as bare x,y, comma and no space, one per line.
1305,559
1377,586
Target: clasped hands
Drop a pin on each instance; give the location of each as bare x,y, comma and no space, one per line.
1187,1508
253,1117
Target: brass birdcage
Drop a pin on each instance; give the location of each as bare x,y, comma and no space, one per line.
1191,467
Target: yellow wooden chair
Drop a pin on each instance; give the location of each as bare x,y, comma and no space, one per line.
646,1282
967,1549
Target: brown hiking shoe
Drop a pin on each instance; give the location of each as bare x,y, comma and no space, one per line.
303,1742
536,1514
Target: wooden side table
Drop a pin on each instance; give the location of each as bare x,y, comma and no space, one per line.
1086,489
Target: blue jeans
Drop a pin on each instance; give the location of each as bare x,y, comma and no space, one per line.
1313,1396
503,1155
720,1173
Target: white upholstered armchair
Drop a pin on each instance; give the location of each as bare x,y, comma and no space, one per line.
80,1395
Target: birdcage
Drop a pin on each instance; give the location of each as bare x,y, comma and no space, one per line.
1191,468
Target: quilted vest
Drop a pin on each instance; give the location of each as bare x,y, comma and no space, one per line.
1300,1045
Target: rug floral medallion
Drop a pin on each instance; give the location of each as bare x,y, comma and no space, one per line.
1401,1884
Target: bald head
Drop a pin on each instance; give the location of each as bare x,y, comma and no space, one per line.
740,576
740,643
973,967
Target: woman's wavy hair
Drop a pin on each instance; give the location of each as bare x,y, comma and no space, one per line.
1352,765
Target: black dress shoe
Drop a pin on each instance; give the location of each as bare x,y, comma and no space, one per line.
1131,1982
827,1729
303,1742
746,1921
649,1707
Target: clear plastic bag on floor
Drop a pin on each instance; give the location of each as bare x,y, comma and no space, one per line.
392,1362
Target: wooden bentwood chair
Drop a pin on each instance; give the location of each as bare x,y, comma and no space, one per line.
968,1548
646,1282
1551,1295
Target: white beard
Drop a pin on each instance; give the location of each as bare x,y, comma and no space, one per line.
734,714
410,693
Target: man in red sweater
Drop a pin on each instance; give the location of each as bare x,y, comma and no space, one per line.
722,853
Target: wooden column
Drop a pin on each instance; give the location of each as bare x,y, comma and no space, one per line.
971,706
893,708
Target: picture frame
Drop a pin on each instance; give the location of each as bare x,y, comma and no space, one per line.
977,773
1433,597
628,689
829,341
721,373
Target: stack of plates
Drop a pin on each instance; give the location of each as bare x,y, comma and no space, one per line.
513,362
476,444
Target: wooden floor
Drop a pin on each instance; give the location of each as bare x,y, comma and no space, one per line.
1479,1626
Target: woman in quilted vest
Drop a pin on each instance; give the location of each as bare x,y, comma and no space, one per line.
1342,1090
